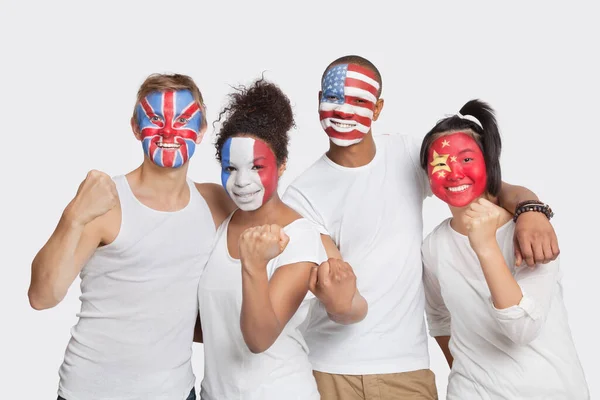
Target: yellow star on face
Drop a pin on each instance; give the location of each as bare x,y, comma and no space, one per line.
453,159
441,174
439,162
445,143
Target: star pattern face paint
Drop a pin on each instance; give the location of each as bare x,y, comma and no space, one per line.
169,124
348,97
456,169
249,172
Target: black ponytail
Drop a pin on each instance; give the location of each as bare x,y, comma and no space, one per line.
487,137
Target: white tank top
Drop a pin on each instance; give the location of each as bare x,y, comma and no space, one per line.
139,304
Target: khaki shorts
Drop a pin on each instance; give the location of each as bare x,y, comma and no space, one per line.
404,385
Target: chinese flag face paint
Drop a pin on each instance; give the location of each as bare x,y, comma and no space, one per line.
456,169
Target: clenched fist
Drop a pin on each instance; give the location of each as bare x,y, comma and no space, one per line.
260,244
481,219
334,284
96,195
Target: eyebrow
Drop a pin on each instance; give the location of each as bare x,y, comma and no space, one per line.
466,150
259,158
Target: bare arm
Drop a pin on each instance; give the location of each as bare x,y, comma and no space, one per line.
535,240
267,306
218,201
443,342
79,232
333,288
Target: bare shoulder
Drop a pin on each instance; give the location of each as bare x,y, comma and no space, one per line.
218,201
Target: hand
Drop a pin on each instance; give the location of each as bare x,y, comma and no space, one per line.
334,284
481,219
260,244
96,195
534,239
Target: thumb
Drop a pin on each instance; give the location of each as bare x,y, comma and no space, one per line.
284,239
312,279
518,254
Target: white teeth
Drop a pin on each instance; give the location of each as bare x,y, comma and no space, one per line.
458,188
342,125
168,145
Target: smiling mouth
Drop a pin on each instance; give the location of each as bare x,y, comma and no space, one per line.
344,125
458,189
245,196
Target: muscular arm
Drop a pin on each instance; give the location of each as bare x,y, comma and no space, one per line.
267,306
58,263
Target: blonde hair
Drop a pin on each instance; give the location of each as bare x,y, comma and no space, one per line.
165,82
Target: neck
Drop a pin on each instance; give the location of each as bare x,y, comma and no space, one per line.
262,215
160,182
356,155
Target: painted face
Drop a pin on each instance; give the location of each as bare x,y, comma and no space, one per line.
169,123
249,172
348,97
456,169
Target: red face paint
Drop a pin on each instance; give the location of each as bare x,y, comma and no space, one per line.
456,169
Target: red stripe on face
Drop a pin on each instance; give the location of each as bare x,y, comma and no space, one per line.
343,116
265,158
360,102
150,112
187,113
344,136
357,83
363,70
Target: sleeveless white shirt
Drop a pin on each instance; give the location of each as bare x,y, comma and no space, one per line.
139,304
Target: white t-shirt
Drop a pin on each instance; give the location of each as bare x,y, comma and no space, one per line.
231,370
521,352
133,340
374,215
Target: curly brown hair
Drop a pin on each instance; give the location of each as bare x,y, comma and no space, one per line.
262,111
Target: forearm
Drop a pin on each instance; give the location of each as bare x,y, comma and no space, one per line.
444,343
54,269
259,324
356,313
504,289
511,195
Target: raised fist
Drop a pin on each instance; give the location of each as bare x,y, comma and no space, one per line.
96,195
260,244
334,284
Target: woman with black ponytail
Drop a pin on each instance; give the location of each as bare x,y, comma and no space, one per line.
254,292
502,328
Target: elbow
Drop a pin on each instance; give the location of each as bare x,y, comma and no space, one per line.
42,298
39,303
257,348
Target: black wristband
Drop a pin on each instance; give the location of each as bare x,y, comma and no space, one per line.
533,205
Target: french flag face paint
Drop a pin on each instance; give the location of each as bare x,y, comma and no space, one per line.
169,124
348,97
249,172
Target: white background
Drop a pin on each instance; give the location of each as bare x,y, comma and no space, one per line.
70,72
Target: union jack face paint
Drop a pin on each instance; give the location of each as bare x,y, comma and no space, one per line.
456,169
249,172
169,124
348,96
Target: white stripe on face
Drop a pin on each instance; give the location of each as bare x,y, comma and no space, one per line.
244,184
362,77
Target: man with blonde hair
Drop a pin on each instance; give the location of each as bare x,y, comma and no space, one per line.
139,242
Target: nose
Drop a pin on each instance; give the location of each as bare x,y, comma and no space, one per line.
343,111
242,178
457,172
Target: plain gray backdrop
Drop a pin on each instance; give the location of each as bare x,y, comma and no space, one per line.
70,71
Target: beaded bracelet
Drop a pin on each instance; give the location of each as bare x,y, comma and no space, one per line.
533,205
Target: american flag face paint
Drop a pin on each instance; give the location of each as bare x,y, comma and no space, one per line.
169,124
456,169
348,97
249,172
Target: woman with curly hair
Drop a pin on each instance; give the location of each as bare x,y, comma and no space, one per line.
254,292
